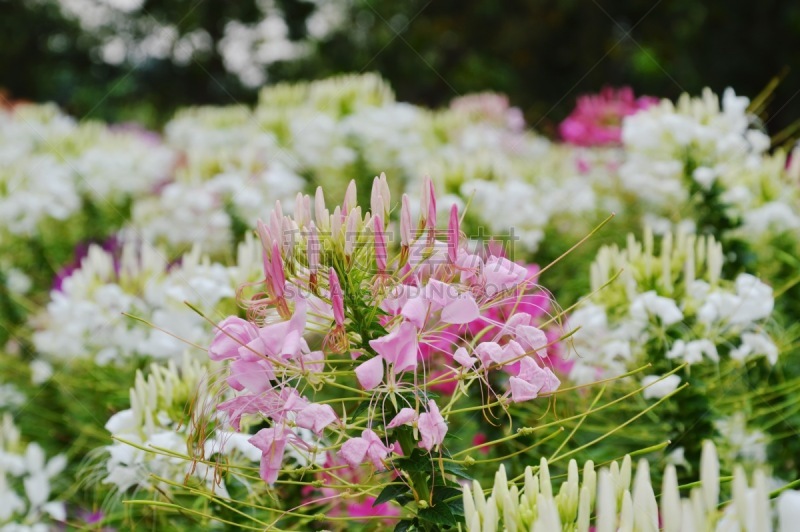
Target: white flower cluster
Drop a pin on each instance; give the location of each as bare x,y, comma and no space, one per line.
84,317
154,436
25,483
229,167
669,304
48,163
695,139
127,32
607,501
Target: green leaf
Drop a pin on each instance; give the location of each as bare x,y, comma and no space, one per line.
360,409
418,462
457,470
405,525
439,514
390,493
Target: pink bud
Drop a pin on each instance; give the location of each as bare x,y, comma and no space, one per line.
275,227
320,212
386,195
375,199
312,248
380,244
266,243
302,210
405,222
425,200
277,279
350,197
431,206
452,235
351,231
337,297
336,222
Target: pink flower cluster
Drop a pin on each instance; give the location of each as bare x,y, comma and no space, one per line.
597,118
476,313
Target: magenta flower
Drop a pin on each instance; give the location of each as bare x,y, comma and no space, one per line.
367,508
368,446
597,118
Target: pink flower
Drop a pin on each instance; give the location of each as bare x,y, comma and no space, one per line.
532,339
531,381
282,340
272,444
479,439
243,404
252,375
432,427
368,446
501,274
456,308
232,333
406,416
315,417
462,357
597,118
367,508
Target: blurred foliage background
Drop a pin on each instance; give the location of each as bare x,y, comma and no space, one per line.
542,53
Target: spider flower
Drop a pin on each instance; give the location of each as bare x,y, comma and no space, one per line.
345,307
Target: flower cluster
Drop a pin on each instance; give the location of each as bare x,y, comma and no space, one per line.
395,325
152,444
669,304
25,483
53,166
84,317
607,501
597,118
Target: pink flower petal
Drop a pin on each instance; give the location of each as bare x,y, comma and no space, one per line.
272,444
370,373
522,390
232,334
415,310
432,427
404,417
315,417
462,310
399,347
462,357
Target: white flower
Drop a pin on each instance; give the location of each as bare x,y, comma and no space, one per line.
651,304
656,389
755,344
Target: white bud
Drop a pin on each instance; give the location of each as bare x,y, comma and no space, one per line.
606,508
626,514
644,499
709,474
670,501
